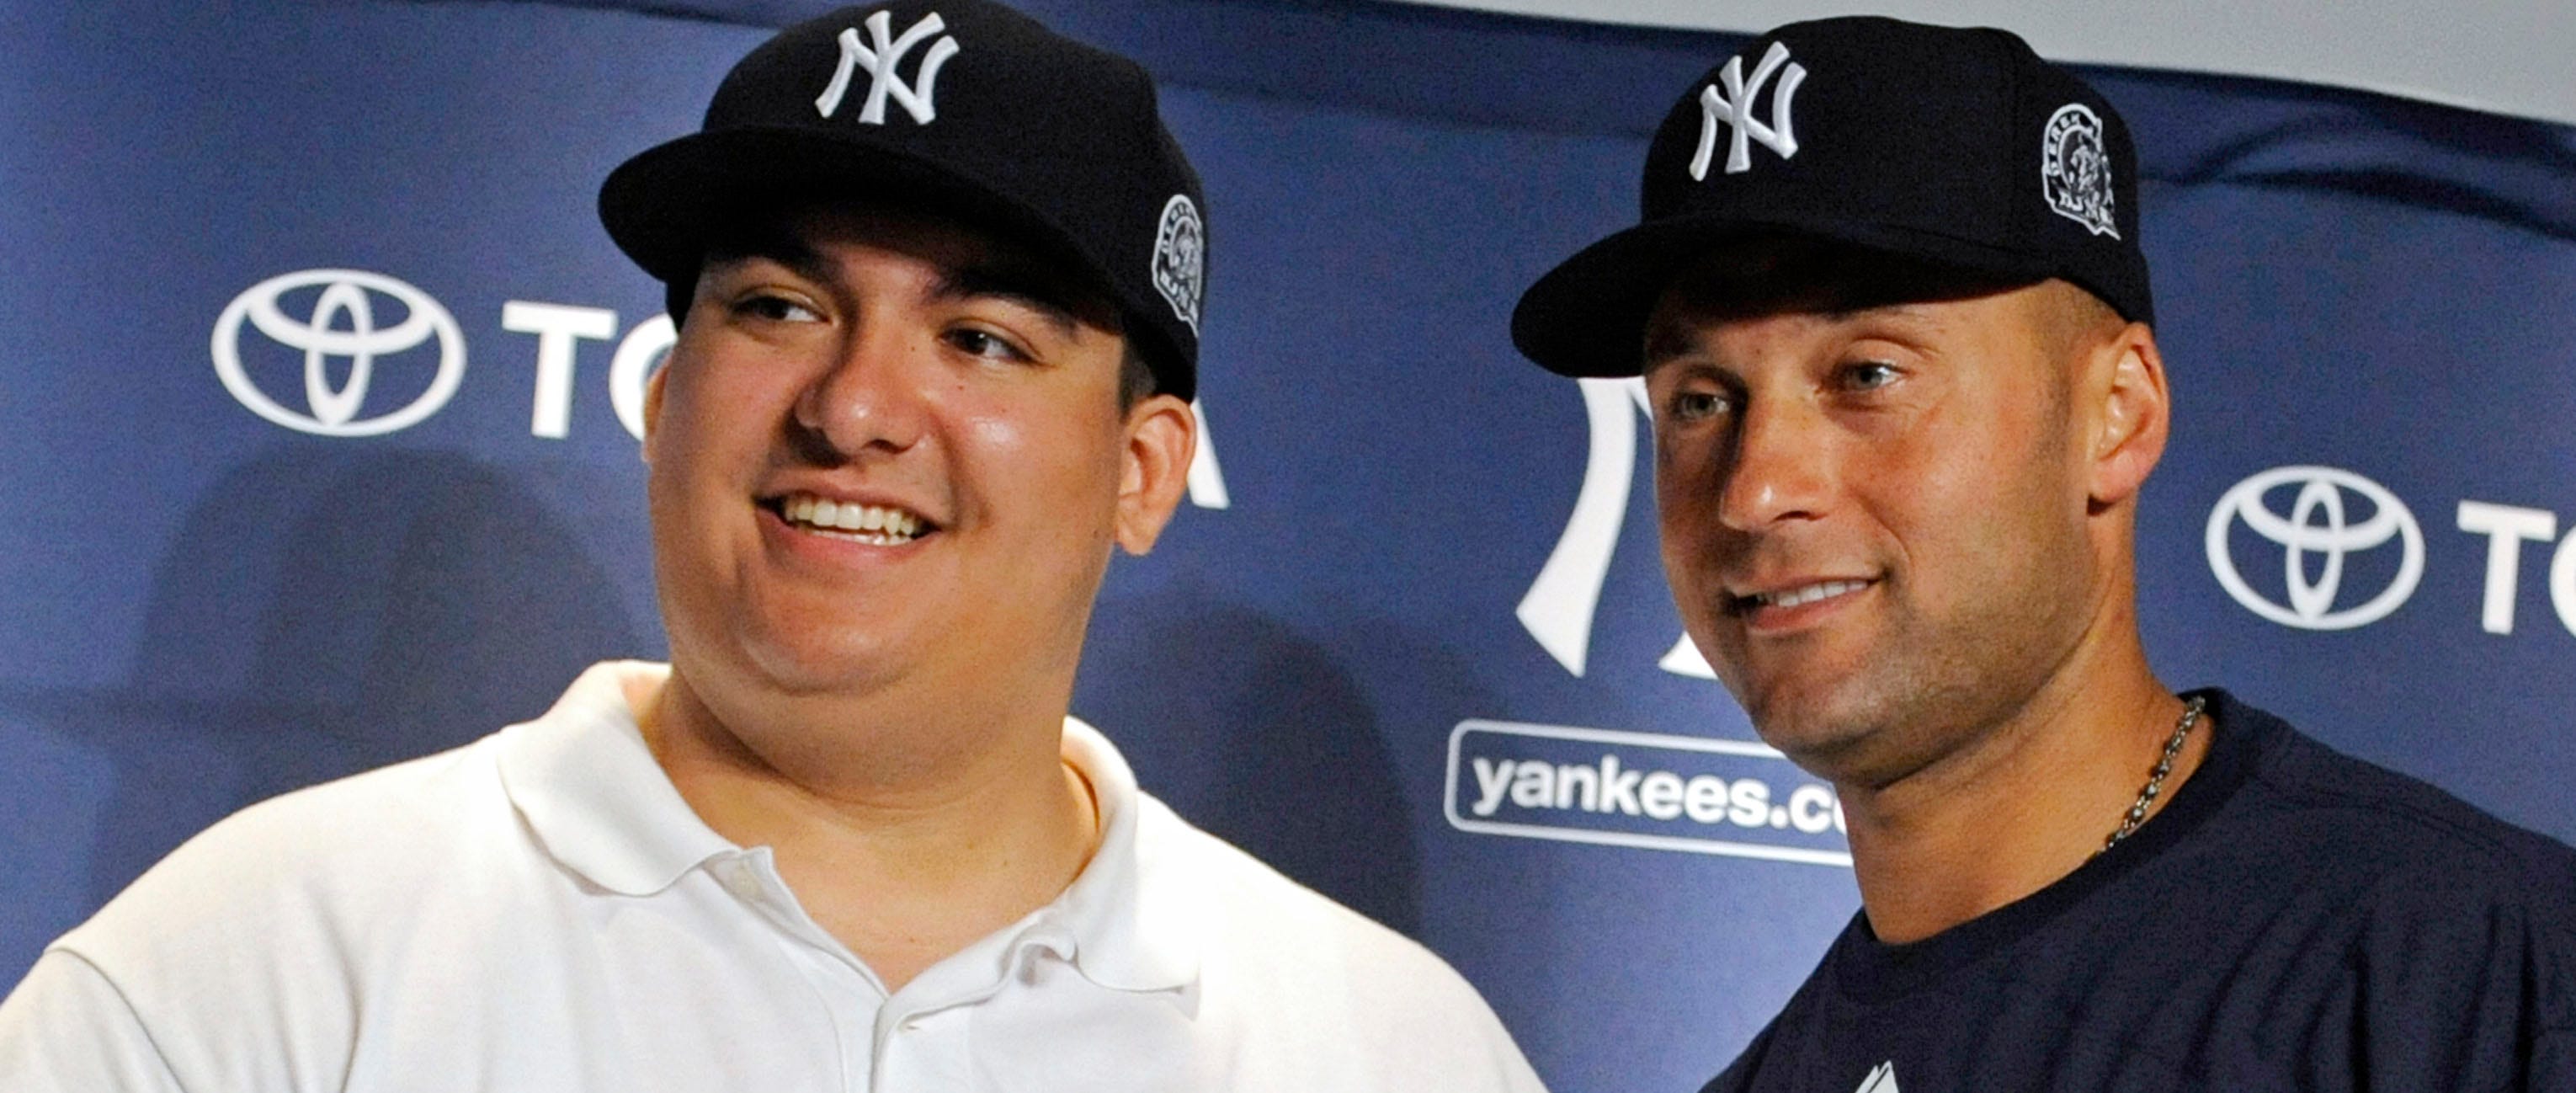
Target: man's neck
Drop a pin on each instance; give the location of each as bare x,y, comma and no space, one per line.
910,862
2020,804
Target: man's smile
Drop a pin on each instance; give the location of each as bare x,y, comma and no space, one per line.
873,524
1792,603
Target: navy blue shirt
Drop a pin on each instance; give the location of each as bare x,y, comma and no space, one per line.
2295,919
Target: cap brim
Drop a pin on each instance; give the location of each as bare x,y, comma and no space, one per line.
1587,317
661,206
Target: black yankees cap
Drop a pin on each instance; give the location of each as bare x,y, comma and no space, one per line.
958,107
1959,146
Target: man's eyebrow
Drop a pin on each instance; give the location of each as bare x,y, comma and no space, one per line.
1048,296
800,258
1912,314
1666,340
1672,337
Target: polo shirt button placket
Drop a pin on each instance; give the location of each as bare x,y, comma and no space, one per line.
923,1052
743,880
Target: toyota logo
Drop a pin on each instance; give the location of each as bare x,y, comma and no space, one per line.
2316,524
343,324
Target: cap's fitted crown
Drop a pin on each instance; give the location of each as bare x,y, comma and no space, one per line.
1955,145
962,108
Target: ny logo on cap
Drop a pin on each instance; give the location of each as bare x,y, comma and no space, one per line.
1735,108
880,63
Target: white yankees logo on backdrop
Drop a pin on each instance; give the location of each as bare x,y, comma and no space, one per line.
1735,108
2075,172
880,63
1558,608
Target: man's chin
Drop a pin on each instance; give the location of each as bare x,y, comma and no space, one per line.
1824,729
807,664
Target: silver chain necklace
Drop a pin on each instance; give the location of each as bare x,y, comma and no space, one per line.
2137,814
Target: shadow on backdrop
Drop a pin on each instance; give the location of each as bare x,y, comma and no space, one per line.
320,615
1264,738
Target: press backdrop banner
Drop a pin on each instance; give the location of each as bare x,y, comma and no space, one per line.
320,388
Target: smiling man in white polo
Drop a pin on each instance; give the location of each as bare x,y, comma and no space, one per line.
940,275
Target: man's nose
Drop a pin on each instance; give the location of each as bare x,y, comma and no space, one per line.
1779,466
873,396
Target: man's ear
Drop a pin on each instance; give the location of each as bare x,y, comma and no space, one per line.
1162,437
653,406
2132,415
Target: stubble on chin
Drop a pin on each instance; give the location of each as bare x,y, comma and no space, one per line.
1868,725
1905,709
1833,728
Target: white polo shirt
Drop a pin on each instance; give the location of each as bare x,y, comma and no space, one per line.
540,911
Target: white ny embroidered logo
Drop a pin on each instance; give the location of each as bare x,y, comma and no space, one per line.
1735,108
880,63
1881,1079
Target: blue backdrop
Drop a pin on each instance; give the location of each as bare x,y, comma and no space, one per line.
1410,643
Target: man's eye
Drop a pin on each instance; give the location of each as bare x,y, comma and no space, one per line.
778,309
1869,375
984,343
1697,405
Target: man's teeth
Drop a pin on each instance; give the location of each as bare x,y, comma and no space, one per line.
1808,594
871,523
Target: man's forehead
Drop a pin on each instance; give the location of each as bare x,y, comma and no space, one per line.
972,260
1839,286
1780,274
1682,329
810,231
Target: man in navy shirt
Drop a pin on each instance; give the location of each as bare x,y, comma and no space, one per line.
1895,328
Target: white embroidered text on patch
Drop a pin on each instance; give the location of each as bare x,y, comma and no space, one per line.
880,62
2075,170
1180,258
1735,108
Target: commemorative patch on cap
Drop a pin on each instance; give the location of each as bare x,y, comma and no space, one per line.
1180,258
1917,141
959,108
2074,171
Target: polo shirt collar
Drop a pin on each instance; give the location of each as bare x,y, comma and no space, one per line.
590,790
602,807
1134,913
